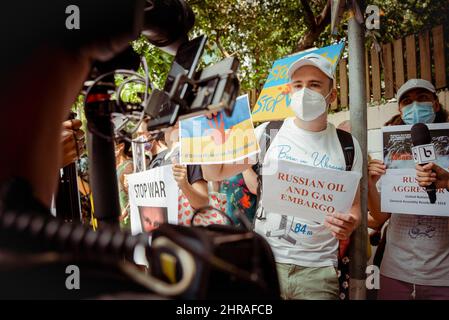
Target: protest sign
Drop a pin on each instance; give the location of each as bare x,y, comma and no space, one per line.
153,200
309,192
152,189
400,192
220,139
274,100
397,145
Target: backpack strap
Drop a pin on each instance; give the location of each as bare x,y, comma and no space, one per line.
347,144
267,137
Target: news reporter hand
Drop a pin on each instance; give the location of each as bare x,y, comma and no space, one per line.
180,175
72,149
376,168
426,174
341,224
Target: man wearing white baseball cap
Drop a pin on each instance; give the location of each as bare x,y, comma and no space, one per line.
415,264
418,102
314,60
306,253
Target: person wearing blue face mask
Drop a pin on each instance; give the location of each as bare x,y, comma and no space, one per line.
418,112
415,263
418,102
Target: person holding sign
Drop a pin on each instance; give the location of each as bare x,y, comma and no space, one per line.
305,251
189,178
415,264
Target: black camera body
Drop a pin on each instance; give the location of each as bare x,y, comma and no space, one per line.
188,92
105,30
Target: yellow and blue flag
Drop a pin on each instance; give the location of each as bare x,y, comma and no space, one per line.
220,139
274,100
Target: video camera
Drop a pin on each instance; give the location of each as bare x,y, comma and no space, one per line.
187,91
27,225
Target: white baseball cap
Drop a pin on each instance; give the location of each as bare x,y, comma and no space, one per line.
414,84
315,60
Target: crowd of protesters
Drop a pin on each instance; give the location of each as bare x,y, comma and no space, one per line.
411,267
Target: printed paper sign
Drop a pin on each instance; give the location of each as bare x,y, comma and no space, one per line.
274,100
400,192
397,146
220,139
308,192
153,200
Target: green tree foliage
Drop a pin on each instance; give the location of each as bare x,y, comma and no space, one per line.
158,61
256,31
260,31
403,17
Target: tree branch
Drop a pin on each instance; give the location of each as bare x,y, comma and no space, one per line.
310,17
312,34
325,15
220,47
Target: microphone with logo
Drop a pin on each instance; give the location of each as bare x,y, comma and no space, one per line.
424,152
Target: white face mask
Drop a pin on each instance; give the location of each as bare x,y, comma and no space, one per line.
308,104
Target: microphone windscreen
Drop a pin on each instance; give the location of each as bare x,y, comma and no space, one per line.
420,134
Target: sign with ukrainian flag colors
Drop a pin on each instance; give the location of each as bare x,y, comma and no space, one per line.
220,139
274,100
